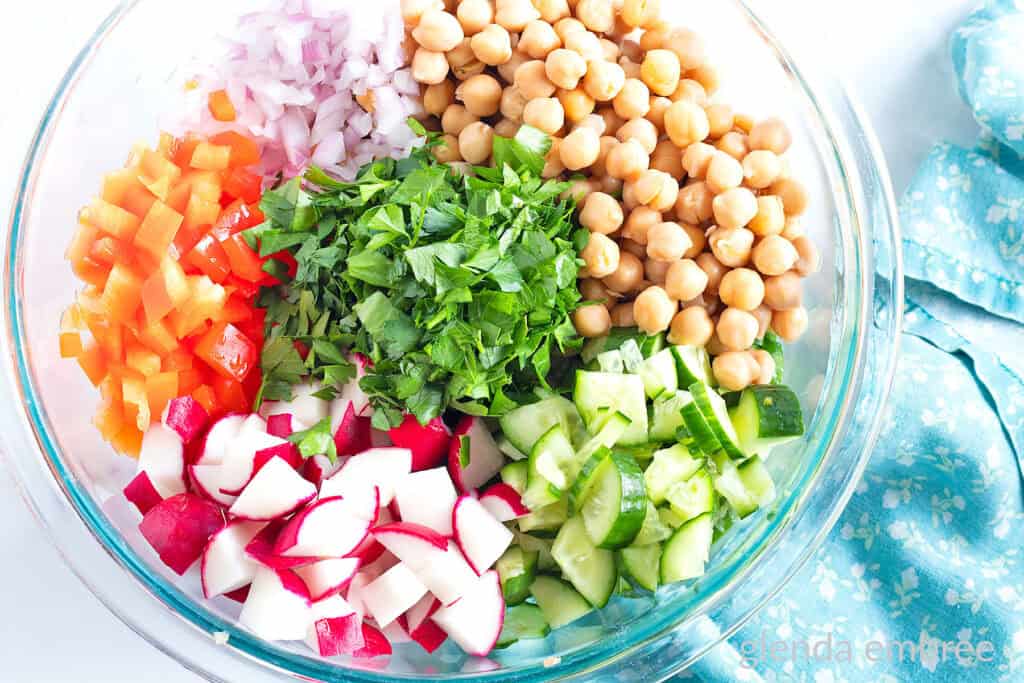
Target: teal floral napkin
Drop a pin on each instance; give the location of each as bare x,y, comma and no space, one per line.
922,579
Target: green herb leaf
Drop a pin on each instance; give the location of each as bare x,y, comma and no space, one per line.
317,440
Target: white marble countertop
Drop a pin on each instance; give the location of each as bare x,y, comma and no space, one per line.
893,56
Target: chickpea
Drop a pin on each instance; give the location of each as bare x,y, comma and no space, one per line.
601,213
412,10
544,113
599,168
733,371
721,118
565,68
592,121
770,218
734,208
654,310
630,68
744,123
532,80
659,105
629,202
627,276
765,366
667,242
638,223
612,121
698,238
622,315
634,248
731,246
492,45
639,13
655,271
539,39
567,26
761,168
512,104
597,15
475,142
604,80
481,95
783,292
601,255
448,150
736,329
764,319
609,49
553,160
685,280
655,37
723,173
713,269
612,186
507,128
474,15
691,326
580,190
771,134
774,255
627,160
734,144
463,61
741,288
456,117
793,227
507,70
633,101
810,260
707,76
438,31
592,321
631,51
694,204
688,46
686,123
697,158
660,71
793,195
438,96
580,149
790,324
552,10
585,44
515,14
690,90
657,190
641,130
429,67
593,290
576,103
667,157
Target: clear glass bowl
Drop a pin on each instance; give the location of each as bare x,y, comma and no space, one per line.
113,96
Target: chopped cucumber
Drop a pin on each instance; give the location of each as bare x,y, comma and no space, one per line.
701,435
669,466
631,354
758,481
649,345
767,416
609,434
541,546
692,365
615,505
670,518
692,497
525,425
589,568
667,416
624,393
506,447
714,410
516,474
516,569
522,622
659,374
546,472
642,564
545,520
560,603
773,345
687,551
585,479
610,361
653,530
731,487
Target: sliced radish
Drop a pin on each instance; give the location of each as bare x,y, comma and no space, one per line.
379,439
288,452
206,482
473,457
421,628
319,467
179,528
275,491
335,628
304,407
226,566
239,466
162,458
353,392
142,494
375,644
328,577
261,549
215,444
427,497
428,443
186,417
239,595
351,432
280,425
504,502
475,621
370,549
395,632
392,593
326,528
380,467
481,538
437,562
408,540
278,607
447,574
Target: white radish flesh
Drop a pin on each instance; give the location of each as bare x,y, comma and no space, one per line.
275,491
481,537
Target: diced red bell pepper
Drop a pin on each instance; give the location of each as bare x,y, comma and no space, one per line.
245,263
209,257
228,351
244,151
231,396
242,184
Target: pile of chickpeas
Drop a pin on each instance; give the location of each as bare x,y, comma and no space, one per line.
693,214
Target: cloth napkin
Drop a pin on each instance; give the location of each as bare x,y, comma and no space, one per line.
930,549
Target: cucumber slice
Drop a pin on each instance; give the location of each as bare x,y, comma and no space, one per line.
516,569
669,466
506,447
541,546
610,361
702,437
546,477
758,481
585,479
692,497
589,568
767,416
667,416
545,520
522,622
558,601
609,434
615,505
516,474
642,564
687,551
659,374
731,487
649,345
631,354
670,518
624,393
692,365
714,410
654,530
773,345
525,425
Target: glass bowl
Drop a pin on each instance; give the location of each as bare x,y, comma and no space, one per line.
113,96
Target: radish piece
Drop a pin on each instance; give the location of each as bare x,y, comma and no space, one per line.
280,425
427,498
180,527
504,502
226,566
481,538
370,549
275,491
335,628
409,539
162,458
379,439
206,482
447,574
278,607
437,562
392,593
215,444
326,528
304,407
421,628
395,632
261,549
288,452
239,595
380,467
186,417
375,644
328,577
239,466
428,443
141,493
319,467
473,457
351,432
353,392
475,621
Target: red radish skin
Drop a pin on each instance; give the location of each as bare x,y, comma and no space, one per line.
352,435
286,451
398,530
328,577
481,538
338,636
485,460
187,417
141,494
504,502
239,465
319,467
375,644
280,425
179,528
261,549
420,627
429,636
204,480
369,550
428,443
214,443
474,621
324,529
239,595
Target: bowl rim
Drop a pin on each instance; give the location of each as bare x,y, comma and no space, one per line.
207,622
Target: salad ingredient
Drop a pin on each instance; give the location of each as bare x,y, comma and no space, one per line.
277,607
481,538
328,528
179,527
433,510
225,564
504,502
475,620
473,456
394,592
275,491
162,459
428,442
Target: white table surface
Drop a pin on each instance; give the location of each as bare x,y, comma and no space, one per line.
893,55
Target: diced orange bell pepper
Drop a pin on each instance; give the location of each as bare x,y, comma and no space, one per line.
205,396
242,184
133,388
209,157
81,243
206,299
70,344
157,231
90,272
105,250
109,417
244,150
93,363
160,389
209,257
164,290
201,213
154,167
128,441
179,360
166,145
178,197
120,185
245,263
221,106
229,352
205,184
141,359
183,150
122,294
157,337
111,219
